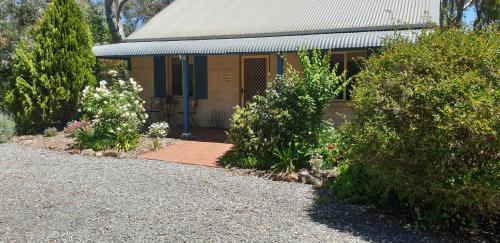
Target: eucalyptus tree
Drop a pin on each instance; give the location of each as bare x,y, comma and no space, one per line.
452,12
487,11
125,16
16,20
113,9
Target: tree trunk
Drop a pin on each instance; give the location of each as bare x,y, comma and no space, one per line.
113,9
487,11
460,13
443,14
452,12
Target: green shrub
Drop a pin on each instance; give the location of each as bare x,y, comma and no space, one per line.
328,154
246,162
156,144
50,132
117,114
426,132
104,65
7,127
356,184
86,138
49,75
290,113
285,159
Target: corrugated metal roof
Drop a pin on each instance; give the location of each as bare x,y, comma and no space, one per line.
247,45
206,19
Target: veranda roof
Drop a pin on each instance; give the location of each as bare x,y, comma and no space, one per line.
247,45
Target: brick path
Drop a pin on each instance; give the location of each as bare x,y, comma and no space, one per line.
191,152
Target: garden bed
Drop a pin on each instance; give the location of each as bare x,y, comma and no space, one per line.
64,143
314,177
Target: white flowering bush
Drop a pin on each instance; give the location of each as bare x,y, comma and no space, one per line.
158,130
116,112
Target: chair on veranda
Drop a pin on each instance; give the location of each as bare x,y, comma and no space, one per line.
170,110
193,107
157,106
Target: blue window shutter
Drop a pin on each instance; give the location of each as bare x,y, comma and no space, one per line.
129,64
201,77
160,77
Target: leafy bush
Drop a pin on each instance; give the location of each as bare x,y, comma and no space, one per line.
104,65
50,132
86,138
426,132
49,75
7,127
158,130
289,115
73,126
328,154
117,114
285,159
246,162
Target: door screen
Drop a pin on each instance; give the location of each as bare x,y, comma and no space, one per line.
254,77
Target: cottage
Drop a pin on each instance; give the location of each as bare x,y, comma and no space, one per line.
200,58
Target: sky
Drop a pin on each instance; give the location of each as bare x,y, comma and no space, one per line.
470,16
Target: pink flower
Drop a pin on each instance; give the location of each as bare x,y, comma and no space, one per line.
331,147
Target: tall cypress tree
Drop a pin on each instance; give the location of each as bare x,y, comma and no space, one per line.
50,73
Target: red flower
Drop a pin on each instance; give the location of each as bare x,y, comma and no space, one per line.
331,147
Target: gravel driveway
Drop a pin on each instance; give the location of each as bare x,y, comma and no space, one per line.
46,196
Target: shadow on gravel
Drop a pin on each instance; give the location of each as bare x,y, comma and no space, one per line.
365,222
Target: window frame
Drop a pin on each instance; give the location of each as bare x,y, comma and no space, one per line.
348,55
192,84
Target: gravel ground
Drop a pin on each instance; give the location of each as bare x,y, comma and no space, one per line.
52,196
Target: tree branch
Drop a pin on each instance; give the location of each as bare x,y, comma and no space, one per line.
120,5
112,11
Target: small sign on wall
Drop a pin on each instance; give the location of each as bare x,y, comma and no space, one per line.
227,78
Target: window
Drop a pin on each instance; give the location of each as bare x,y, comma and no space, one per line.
176,67
353,68
339,60
347,62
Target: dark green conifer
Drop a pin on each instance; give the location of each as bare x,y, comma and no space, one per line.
50,73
